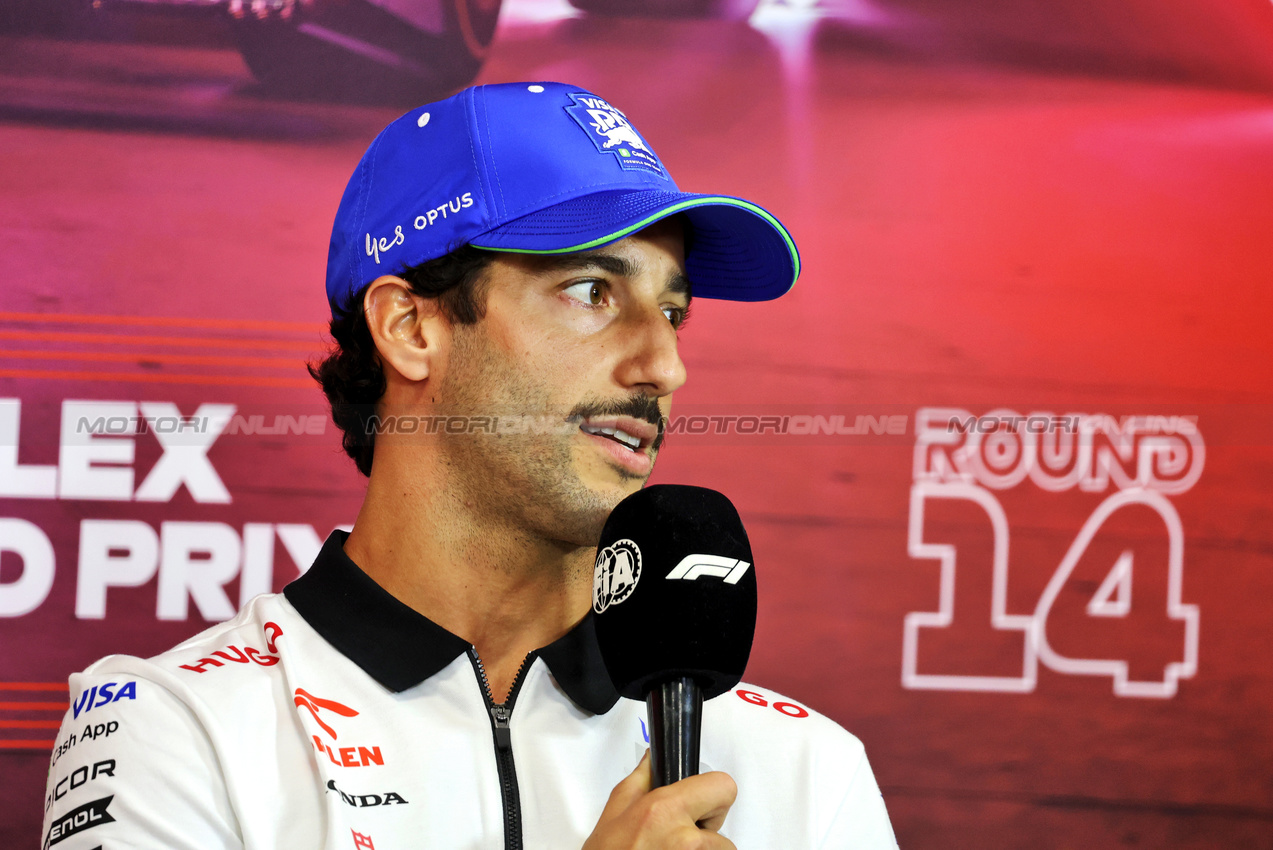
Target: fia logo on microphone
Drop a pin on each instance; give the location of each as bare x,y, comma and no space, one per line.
616,574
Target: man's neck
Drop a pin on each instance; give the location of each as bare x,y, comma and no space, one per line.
480,578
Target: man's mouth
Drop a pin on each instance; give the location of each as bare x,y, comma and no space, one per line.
628,433
633,434
619,436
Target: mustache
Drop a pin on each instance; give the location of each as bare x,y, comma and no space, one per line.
642,407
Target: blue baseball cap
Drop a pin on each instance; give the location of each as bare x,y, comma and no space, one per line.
537,168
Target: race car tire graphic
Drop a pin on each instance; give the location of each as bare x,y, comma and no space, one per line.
355,50
730,10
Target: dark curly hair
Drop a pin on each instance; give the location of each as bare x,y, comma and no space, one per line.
351,375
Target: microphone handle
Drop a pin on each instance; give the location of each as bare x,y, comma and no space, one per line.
674,710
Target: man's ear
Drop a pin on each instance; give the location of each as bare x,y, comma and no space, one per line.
408,329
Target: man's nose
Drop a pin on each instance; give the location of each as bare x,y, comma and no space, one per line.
651,362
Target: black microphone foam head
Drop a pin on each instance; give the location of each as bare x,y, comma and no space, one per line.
674,591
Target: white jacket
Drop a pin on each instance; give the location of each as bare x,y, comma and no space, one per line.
333,716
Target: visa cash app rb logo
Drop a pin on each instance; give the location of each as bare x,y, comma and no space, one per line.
612,133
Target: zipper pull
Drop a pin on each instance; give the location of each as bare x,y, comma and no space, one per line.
503,732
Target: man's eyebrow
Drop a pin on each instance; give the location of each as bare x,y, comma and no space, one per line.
678,283
612,263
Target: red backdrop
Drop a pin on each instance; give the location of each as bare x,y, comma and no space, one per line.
1003,453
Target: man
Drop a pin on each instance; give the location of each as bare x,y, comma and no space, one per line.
508,273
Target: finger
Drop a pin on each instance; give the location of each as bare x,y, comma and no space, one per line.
713,821
705,798
703,840
630,788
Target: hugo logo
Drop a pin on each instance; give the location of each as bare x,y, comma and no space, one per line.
242,656
717,566
273,631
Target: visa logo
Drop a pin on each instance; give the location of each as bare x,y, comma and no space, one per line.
100,695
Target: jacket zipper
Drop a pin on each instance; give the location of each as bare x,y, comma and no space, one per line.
501,713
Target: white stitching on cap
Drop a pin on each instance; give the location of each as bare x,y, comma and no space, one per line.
494,169
477,169
355,271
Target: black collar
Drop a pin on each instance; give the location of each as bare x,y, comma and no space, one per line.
400,648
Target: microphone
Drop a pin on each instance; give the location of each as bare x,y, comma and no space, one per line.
674,594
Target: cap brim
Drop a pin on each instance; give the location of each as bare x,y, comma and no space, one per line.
737,250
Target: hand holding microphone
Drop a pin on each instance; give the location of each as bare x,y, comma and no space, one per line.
674,595
684,816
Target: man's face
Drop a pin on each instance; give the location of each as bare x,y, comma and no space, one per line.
585,346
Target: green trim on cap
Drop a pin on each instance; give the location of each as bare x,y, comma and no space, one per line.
664,213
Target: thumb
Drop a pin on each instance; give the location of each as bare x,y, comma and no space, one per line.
631,787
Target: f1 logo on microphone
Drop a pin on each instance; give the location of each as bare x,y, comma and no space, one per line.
693,566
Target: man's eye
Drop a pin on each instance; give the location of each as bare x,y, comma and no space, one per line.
588,291
676,315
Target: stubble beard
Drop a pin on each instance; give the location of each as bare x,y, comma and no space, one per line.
527,481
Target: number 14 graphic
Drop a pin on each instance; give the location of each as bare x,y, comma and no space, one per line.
965,624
